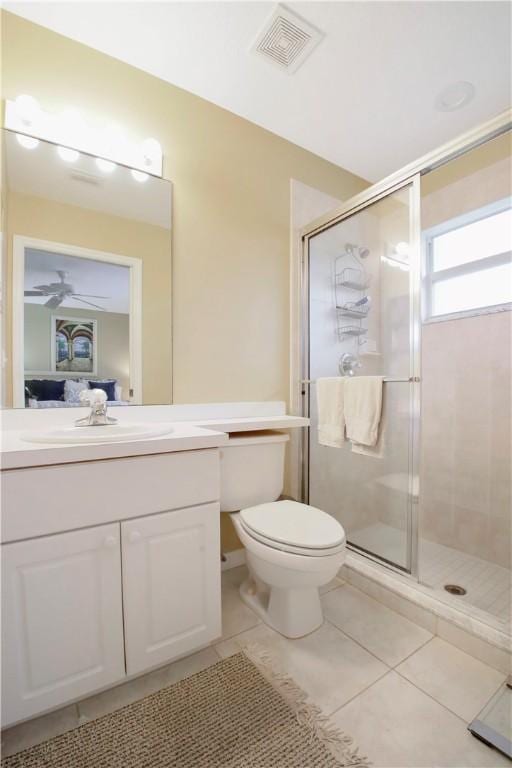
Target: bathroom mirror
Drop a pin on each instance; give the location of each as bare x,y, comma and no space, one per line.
87,276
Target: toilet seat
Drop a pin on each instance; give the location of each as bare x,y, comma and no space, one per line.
293,527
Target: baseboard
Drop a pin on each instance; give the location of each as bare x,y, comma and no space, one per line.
233,559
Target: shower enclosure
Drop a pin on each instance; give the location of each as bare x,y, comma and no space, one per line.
413,282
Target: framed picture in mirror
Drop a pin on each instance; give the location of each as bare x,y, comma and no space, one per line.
74,344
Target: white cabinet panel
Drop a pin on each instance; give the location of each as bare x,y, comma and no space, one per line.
109,490
62,619
171,584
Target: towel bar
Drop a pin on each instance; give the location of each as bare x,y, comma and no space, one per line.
410,380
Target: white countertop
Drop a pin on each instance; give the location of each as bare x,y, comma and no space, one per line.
187,435
18,453
253,423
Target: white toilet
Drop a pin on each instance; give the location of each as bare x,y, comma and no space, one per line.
292,549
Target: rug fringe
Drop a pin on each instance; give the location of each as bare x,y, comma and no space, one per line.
307,713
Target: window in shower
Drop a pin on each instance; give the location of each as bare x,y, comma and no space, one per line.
468,263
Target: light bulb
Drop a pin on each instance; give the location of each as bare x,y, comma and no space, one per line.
27,142
28,109
68,155
140,176
105,165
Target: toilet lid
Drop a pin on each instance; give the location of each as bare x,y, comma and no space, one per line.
293,524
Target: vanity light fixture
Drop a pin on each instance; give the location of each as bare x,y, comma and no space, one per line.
140,176
106,166
68,155
70,130
28,110
27,142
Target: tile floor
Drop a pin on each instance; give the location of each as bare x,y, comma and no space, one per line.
404,695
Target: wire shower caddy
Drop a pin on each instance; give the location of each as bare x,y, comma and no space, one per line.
351,282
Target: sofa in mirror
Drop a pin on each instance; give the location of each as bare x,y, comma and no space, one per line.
87,245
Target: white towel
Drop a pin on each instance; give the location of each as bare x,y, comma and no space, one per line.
331,421
378,451
363,409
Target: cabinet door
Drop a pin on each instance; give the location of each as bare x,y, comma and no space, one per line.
62,619
171,584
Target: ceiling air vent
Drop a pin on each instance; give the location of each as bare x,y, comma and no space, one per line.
286,40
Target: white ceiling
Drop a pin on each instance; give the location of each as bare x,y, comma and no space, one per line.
365,97
41,172
85,275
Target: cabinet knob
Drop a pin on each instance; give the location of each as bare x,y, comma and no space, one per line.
133,536
109,542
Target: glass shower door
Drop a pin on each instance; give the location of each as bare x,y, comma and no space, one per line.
361,309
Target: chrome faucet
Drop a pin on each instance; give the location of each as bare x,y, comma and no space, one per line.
97,399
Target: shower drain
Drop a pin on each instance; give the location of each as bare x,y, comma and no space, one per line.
454,589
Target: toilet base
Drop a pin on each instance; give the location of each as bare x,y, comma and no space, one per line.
291,612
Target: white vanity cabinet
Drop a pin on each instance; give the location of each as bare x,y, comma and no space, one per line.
109,569
171,584
62,622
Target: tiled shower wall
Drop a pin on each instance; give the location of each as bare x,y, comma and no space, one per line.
465,488
466,435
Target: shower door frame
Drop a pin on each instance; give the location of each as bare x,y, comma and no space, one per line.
300,371
352,208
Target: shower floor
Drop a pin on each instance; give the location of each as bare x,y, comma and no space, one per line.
488,586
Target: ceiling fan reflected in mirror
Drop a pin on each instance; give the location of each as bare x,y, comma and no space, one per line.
59,292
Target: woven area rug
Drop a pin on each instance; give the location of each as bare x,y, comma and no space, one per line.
238,713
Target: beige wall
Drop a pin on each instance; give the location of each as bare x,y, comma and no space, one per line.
113,352
465,487
57,222
231,208
466,462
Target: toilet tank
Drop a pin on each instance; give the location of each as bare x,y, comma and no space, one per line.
251,469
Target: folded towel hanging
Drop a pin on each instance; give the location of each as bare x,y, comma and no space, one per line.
378,451
331,420
363,409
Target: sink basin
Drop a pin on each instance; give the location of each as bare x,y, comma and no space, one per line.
110,433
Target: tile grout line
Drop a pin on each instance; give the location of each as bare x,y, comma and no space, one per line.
431,697
357,642
393,610
419,648
388,671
